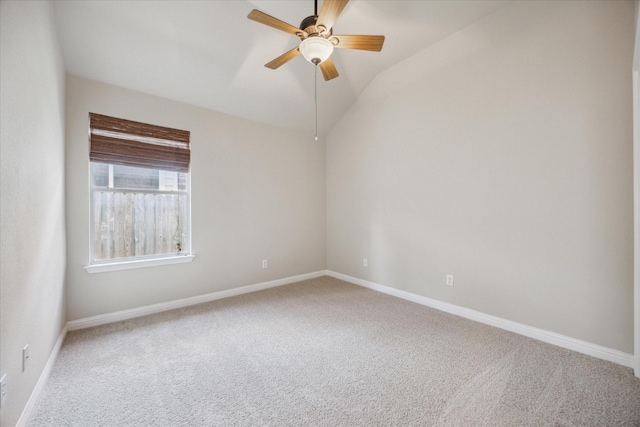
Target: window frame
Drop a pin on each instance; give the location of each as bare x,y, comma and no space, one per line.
186,250
138,133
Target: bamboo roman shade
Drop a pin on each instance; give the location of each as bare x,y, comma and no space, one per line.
129,143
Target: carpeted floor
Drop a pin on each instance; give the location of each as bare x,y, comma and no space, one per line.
326,353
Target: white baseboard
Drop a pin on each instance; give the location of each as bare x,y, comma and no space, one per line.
32,403
563,341
102,319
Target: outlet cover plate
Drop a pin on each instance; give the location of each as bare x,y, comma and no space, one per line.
25,357
3,389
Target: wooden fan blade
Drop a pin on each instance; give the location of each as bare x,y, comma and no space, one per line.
330,11
328,68
269,20
283,59
371,43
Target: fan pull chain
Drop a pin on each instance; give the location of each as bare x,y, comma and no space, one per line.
315,88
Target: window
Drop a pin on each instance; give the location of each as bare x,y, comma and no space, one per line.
139,190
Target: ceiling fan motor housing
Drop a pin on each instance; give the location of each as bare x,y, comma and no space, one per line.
310,28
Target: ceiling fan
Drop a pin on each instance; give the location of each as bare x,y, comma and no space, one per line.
317,38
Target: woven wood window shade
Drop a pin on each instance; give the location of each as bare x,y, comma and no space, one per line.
129,143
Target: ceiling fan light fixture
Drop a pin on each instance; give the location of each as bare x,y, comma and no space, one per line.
316,49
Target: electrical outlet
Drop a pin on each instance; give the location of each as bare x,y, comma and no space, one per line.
449,279
25,357
3,389
265,263
365,262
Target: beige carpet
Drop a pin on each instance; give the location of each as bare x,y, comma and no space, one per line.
326,353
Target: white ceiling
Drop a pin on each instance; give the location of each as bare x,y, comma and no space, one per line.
208,54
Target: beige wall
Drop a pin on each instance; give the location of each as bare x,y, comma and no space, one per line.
501,155
636,149
258,192
32,225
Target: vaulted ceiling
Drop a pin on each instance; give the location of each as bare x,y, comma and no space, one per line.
208,54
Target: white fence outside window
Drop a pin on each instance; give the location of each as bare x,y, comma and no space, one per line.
138,212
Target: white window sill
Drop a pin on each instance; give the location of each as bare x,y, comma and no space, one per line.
127,265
